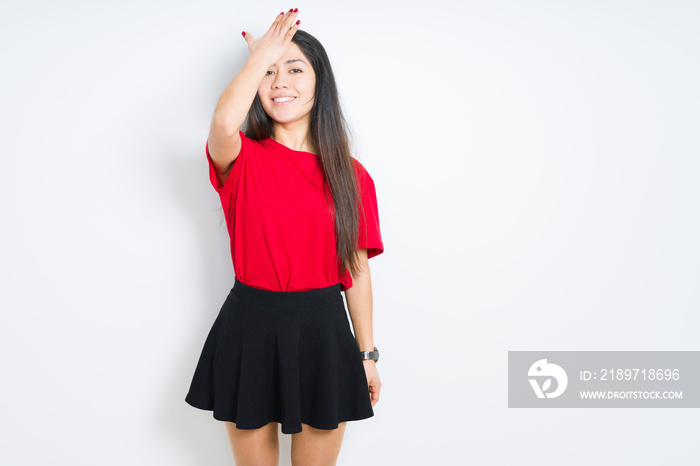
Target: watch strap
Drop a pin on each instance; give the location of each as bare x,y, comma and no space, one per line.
370,354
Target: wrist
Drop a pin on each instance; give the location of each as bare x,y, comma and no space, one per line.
372,355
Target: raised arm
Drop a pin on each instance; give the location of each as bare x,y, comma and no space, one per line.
234,103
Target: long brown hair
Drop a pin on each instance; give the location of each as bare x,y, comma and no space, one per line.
329,134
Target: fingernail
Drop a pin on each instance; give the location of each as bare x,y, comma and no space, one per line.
282,13
296,9
243,33
291,10
298,21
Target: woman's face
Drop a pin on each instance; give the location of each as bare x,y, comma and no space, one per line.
287,90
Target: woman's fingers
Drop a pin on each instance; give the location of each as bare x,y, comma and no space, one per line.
374,394
277,38
287,22
275,26
276,22
374,384
249,40
292,30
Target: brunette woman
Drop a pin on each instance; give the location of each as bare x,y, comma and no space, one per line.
303,220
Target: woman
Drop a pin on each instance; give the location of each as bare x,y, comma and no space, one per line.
303,220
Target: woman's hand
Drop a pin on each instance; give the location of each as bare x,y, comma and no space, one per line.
373,382
277,39
232,108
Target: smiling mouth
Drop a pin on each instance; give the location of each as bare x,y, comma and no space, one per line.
283,99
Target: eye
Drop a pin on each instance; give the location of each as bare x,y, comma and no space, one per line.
296,70
269,73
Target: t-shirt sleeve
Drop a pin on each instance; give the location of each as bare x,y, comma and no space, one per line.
369,237
235,172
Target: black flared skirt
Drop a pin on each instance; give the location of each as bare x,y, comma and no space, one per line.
281,356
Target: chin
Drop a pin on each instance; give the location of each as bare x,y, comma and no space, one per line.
284,119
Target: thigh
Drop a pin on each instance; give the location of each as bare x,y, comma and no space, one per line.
317,447
254,447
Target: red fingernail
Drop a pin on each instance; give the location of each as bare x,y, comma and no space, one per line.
298,21
243,33
296,9
282,13
291,10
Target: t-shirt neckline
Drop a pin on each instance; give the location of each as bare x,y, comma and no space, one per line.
279,144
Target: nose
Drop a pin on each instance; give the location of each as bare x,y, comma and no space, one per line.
280,81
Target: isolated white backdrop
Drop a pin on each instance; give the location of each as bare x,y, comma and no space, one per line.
537,169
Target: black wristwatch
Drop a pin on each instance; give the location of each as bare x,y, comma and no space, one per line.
370,354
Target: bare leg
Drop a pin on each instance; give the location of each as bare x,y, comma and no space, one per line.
254,447
317,447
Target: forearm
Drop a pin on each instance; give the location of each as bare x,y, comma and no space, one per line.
359,299
235,101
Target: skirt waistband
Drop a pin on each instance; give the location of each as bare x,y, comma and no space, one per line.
316,297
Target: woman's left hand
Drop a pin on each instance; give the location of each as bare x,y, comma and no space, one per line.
373,382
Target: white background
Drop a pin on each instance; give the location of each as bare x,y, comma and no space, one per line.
537,173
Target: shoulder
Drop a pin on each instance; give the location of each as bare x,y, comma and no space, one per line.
365,180
360,170
251,144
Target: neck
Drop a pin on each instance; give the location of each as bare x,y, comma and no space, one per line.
294,135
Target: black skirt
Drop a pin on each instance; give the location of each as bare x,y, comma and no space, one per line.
283,356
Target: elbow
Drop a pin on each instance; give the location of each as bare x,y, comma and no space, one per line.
222,124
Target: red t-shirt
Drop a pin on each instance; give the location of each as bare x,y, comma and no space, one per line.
282,232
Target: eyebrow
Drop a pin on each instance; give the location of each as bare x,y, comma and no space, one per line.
289,62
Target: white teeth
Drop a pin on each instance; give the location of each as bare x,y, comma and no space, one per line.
283,99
